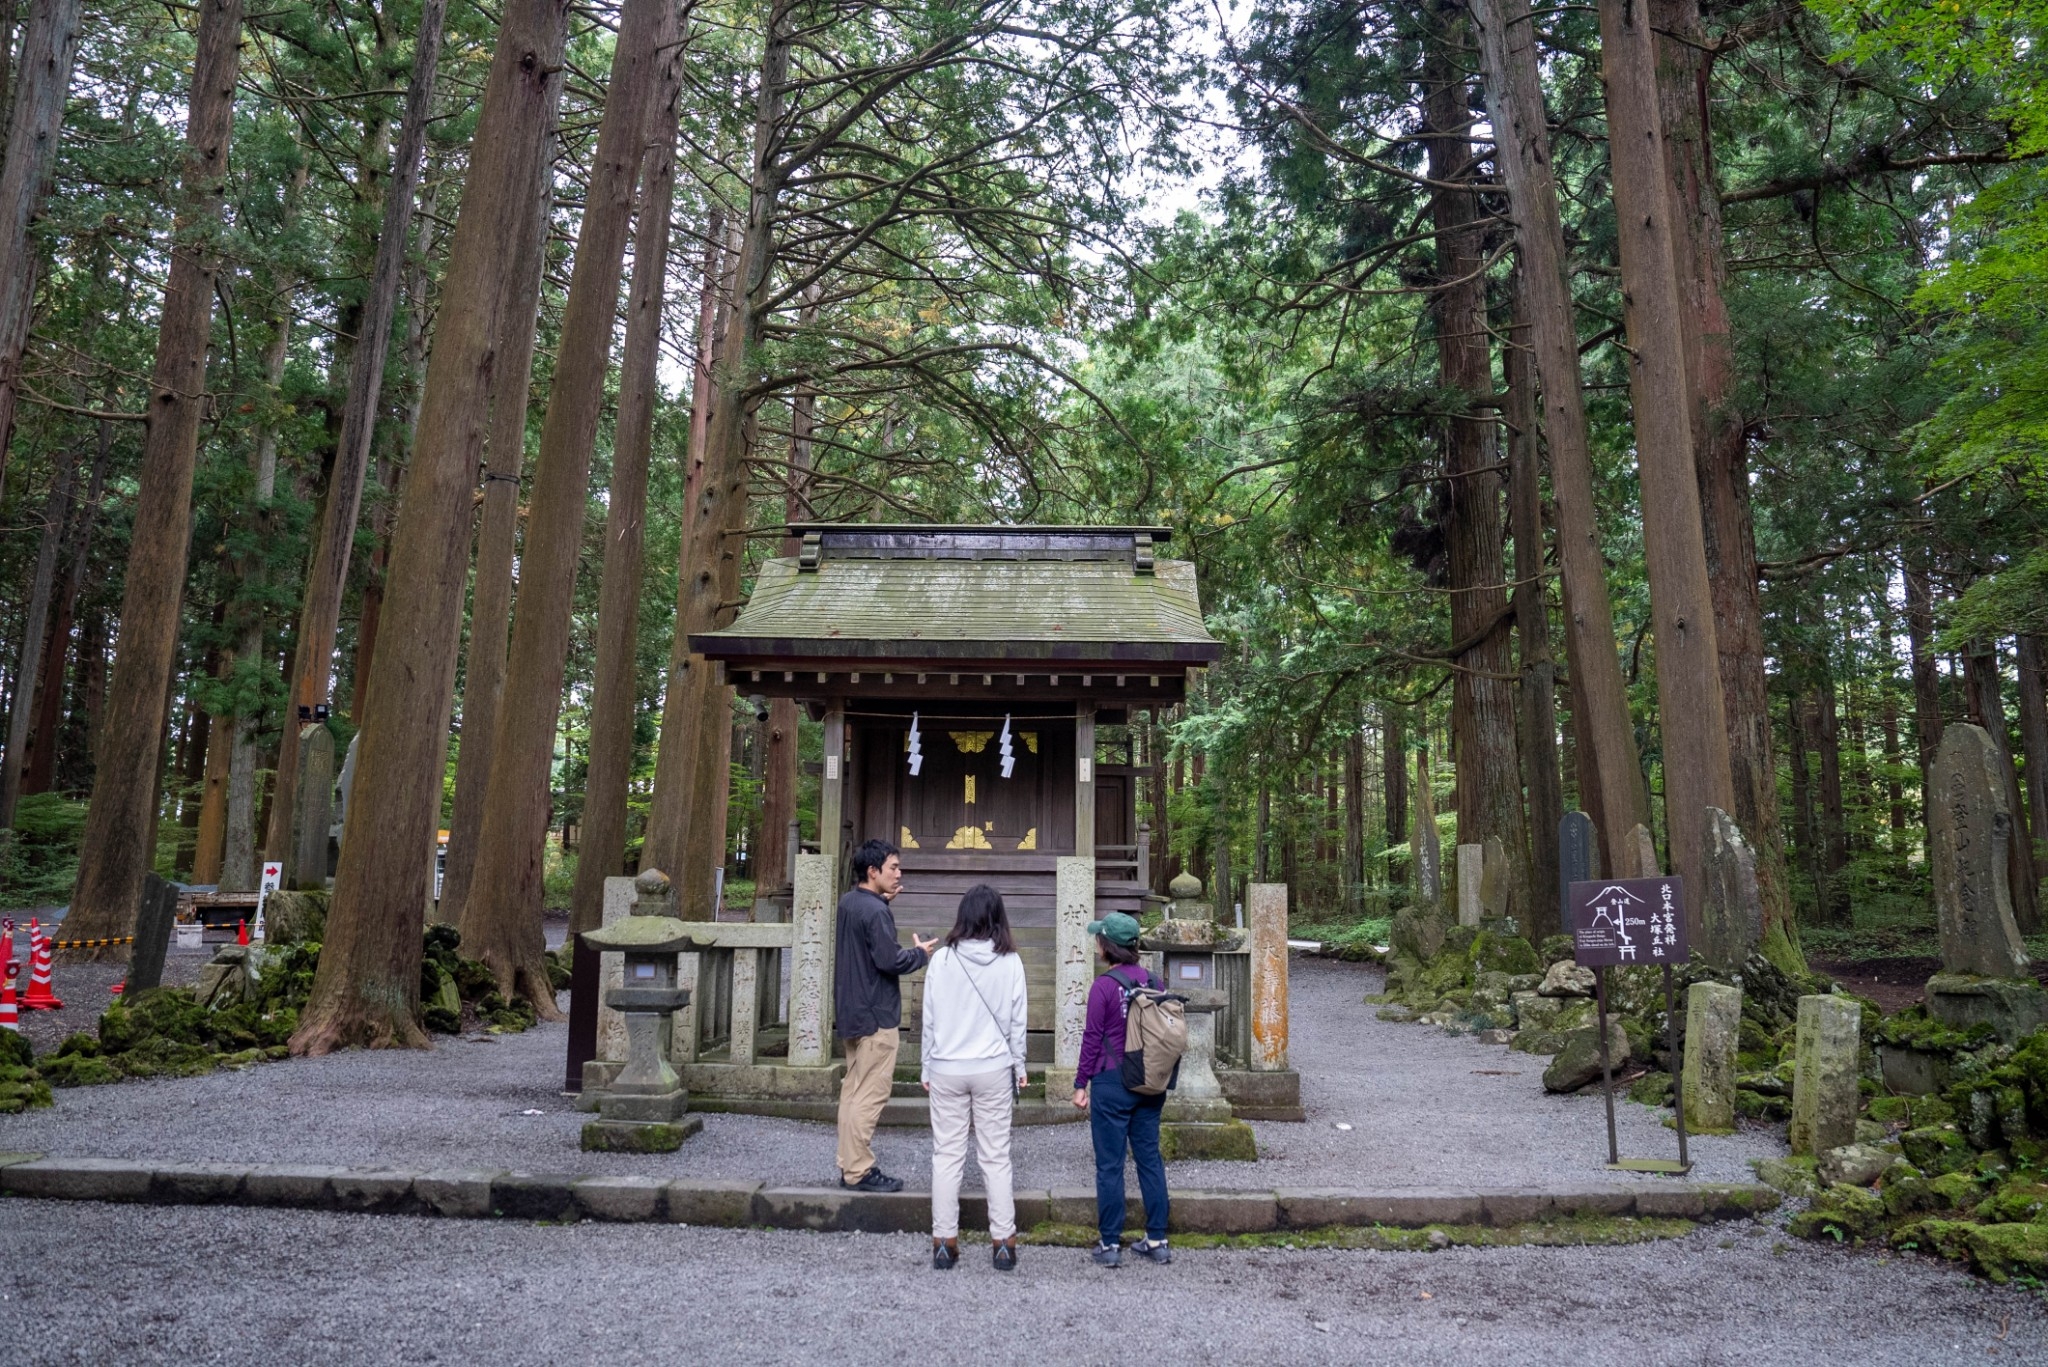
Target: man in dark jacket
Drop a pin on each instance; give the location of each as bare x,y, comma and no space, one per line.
867,1007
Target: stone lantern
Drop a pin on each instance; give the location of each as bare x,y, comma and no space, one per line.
645,1108
1198,1122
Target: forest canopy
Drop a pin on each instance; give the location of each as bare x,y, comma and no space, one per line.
1641,410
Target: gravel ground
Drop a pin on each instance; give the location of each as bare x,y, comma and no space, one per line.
85,990
1426,1109
95,1283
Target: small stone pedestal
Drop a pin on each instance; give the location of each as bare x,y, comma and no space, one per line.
644,1108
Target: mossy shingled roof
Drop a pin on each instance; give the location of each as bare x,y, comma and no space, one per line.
999,609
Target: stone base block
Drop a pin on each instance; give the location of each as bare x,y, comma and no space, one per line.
626,1136
630,1197
1914,1072
2013,1008
1187,1110
1252,1095
1223,1212
533,1195
644,1108
597,1076
711,1201
305,1186
762,1081
459,1193
1232,1140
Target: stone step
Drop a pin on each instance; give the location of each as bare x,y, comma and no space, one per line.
488,1193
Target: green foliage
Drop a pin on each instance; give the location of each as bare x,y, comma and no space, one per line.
39,863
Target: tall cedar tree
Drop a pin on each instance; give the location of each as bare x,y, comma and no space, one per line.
614,696
366,992
501,920
120,829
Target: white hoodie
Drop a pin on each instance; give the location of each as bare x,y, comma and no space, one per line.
969,1031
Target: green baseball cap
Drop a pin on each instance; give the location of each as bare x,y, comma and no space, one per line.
1117,928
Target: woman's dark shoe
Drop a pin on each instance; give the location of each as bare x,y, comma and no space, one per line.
1108,1255
874,1179
1154,1249
1006,1255
945,1252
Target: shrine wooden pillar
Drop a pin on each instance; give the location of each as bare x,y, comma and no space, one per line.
832,795
1084,779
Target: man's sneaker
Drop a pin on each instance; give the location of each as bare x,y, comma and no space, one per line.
874,1179
1155,1249
1108,1255
944,1255
1006,1255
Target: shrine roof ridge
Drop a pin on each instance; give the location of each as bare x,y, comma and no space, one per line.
978,541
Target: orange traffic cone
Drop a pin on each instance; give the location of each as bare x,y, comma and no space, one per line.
40,996
10,1015
6,943
241,932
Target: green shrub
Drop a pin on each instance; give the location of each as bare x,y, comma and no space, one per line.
39,865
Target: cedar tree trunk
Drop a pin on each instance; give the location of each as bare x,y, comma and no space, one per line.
367,989
120,827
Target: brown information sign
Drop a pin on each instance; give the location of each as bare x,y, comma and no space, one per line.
1628,921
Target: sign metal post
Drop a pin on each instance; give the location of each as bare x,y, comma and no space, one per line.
1633,921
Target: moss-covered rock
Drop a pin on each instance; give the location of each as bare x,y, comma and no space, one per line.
1853,1165
1905,1190
1956,1190
1889,1110
171,1013
1757,1106
1998,1251
1578,1062
161,1056
1937,1149
21,1089
1539,1041
15,1050
1792,1176
2017,1201
79,1070
1840,1213
1494,952
1651,1089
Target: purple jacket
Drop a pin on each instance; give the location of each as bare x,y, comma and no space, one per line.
1102,1040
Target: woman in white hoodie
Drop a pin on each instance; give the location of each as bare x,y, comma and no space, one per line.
973,1051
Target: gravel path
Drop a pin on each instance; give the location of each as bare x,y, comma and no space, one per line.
96,1283
1426,1109
86,990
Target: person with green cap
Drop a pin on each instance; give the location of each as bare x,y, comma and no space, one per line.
1122,1121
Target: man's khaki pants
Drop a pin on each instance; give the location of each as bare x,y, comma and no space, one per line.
870,1072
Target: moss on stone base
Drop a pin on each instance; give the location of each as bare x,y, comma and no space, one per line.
612,1136
1232,1140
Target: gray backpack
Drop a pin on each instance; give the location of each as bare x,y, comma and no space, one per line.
1155,1036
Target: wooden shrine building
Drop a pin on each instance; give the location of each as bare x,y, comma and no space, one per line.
928,651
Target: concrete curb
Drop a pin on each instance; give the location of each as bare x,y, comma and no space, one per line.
486,1194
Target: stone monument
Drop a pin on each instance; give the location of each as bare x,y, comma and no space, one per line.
1731,907
1824,1095
1471,876
313,814
1713,1023
1984,977
1425,846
